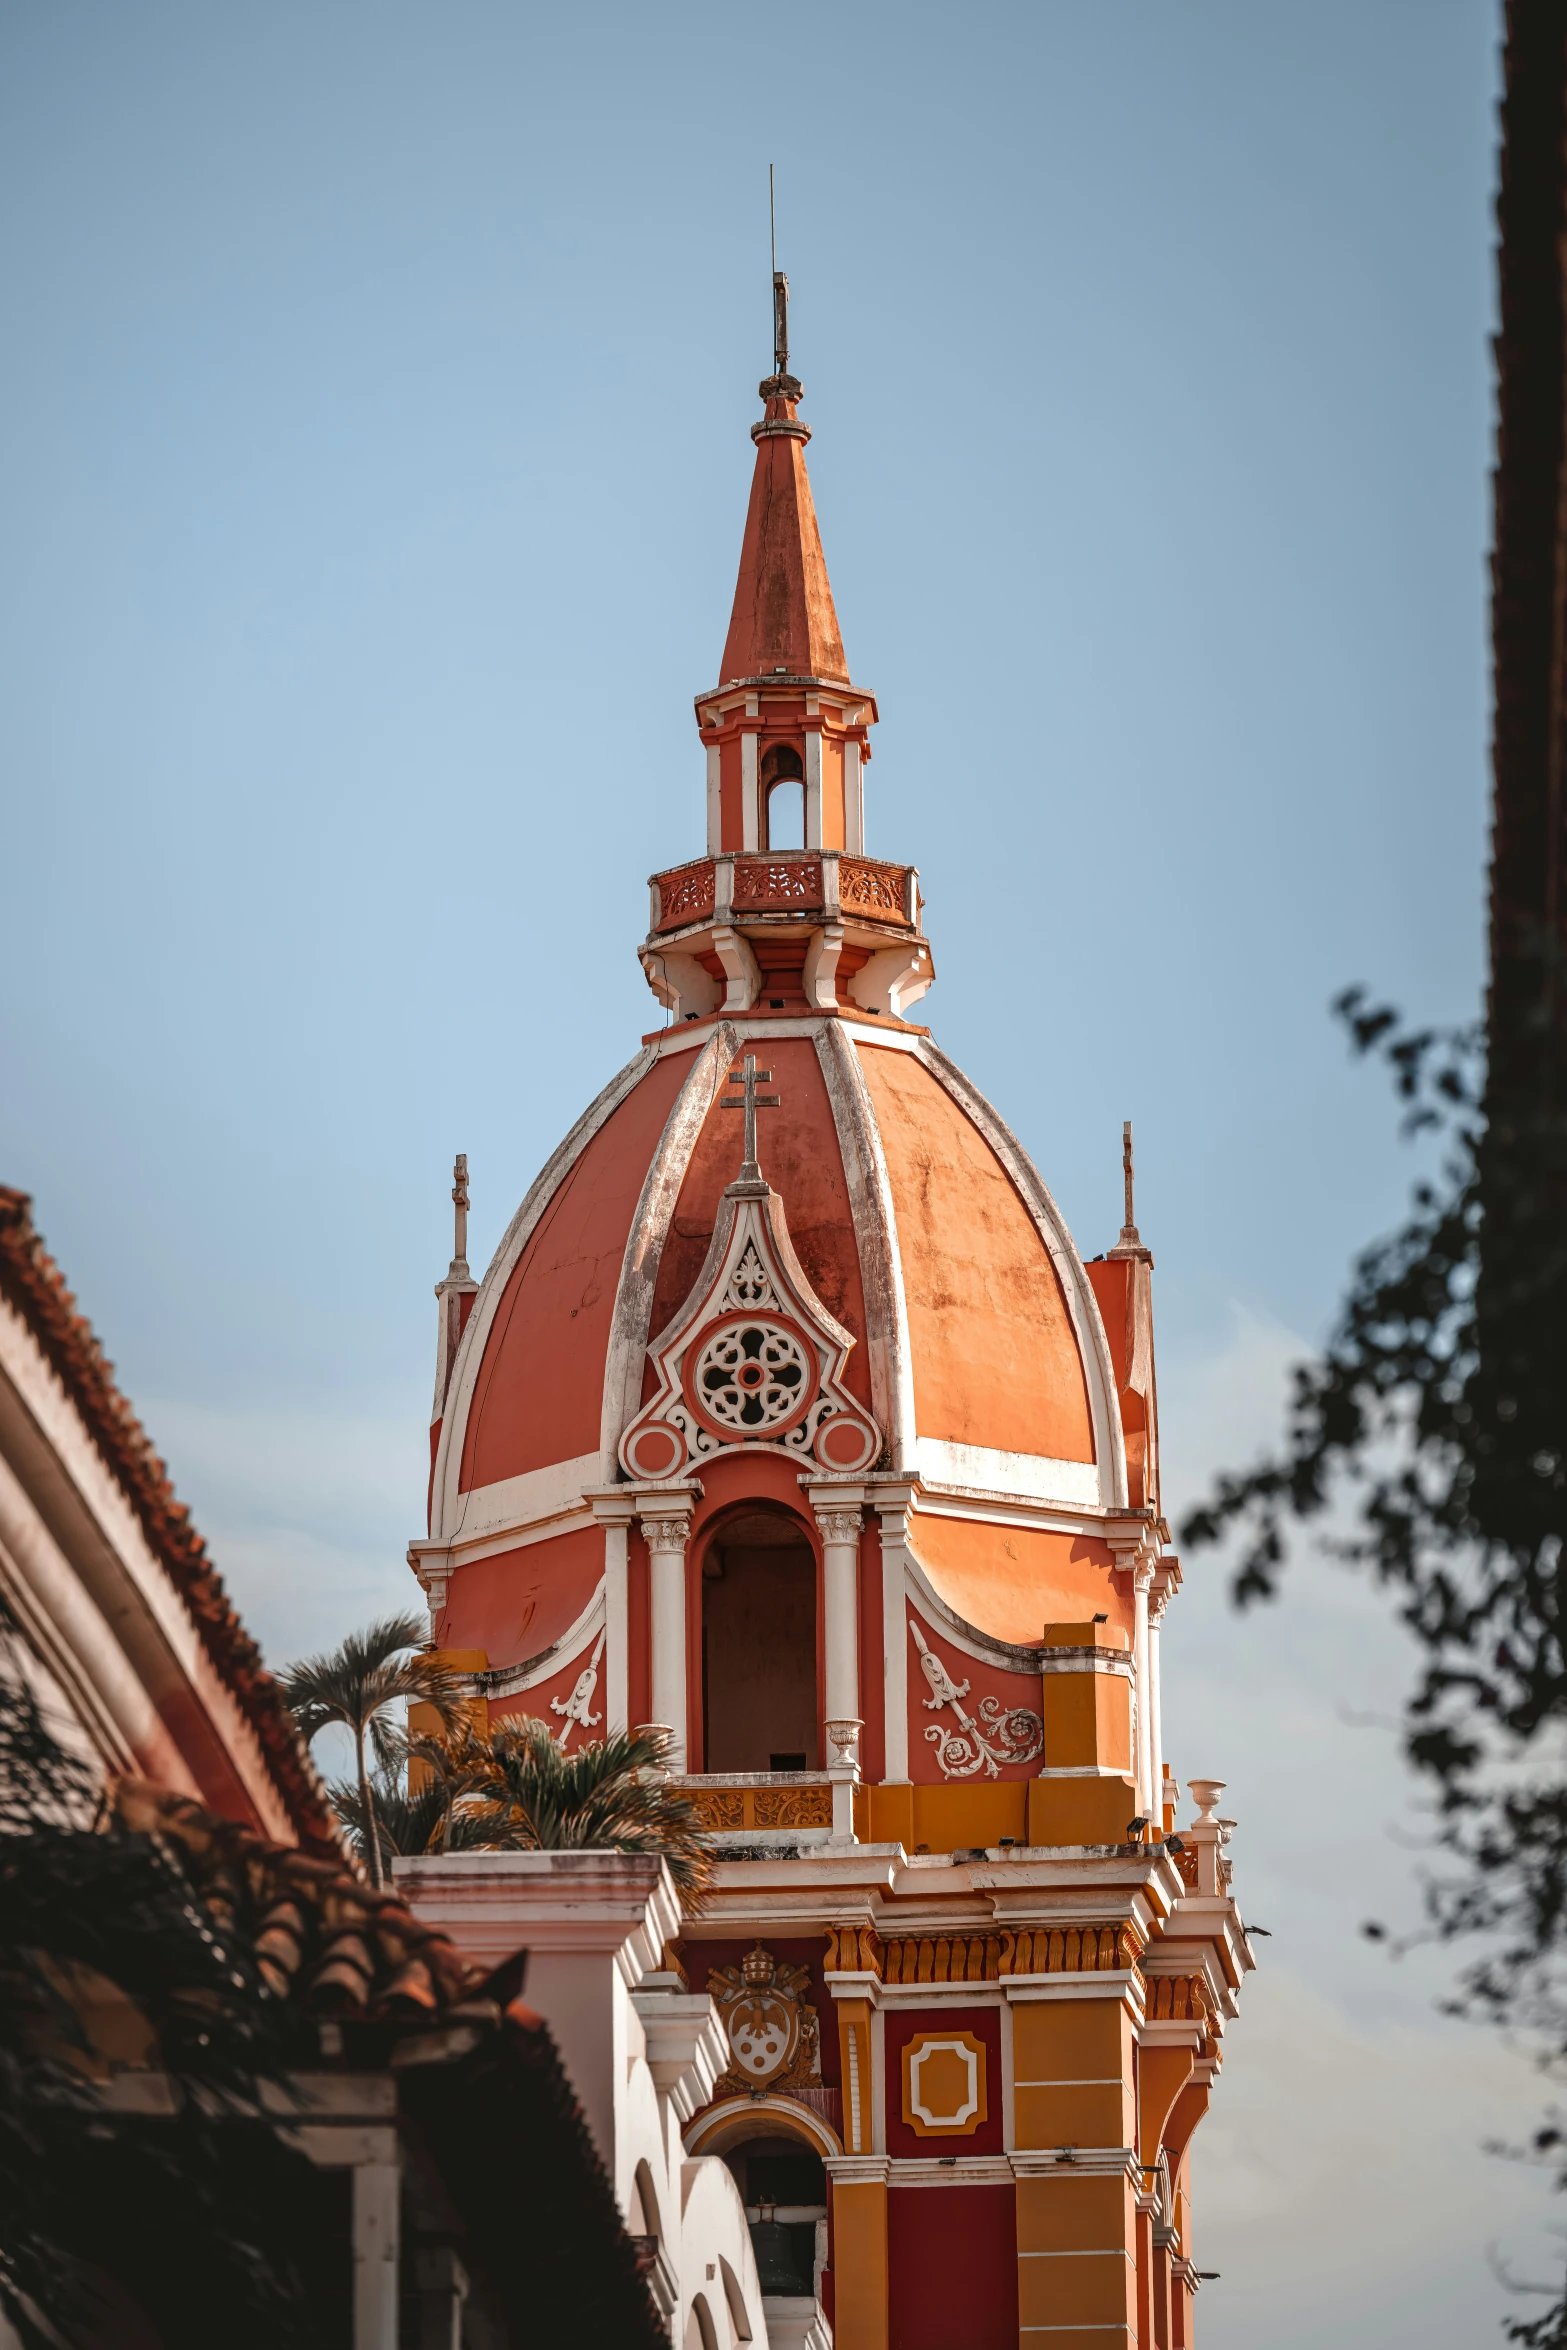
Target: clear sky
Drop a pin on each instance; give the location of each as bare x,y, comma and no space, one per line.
373,457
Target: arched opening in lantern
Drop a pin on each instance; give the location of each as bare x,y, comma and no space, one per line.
759,1645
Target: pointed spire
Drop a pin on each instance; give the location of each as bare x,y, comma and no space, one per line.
783,621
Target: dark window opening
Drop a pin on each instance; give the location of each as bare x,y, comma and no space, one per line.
784,2189
759,1646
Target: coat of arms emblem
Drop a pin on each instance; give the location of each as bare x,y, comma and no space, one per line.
774,2035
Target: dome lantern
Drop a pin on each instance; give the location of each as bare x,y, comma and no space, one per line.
785,912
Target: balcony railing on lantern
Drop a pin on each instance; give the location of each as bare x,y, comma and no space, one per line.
790,881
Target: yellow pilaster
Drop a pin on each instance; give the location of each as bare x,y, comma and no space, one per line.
1086,1707
859,2259
854,2058
1074,2128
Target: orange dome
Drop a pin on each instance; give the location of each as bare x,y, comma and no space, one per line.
820,1426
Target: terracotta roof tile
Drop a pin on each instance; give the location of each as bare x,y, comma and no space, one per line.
32,1281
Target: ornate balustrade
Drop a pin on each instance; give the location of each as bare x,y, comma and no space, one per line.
791,882
727,1810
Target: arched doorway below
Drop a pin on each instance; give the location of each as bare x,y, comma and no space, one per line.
759,1646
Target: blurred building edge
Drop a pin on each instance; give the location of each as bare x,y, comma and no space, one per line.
456,2194
134,1640
1527,1027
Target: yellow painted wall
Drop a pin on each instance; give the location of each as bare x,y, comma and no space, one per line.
859,2265
1072,2070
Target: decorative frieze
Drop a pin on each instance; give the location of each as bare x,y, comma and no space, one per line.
1177,1997
723,1810
1070,1950
985,1957
944,1958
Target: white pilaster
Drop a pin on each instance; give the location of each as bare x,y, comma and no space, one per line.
614,1512
750,802
839,1518
666,1529
1142,1578
853,800
813,787
715,800
1156,1606
892,1508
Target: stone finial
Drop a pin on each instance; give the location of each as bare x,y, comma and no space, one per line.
459,1271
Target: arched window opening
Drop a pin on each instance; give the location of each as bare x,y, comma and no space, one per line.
783,2186
739,2317
759,1646
701,2333
644,2208
783,798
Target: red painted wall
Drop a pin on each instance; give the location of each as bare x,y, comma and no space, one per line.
904,2025
797,1148
513,1605
952,2266
540,1391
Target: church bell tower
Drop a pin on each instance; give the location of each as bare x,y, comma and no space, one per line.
790,1417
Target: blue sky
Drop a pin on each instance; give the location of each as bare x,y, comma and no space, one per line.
373,457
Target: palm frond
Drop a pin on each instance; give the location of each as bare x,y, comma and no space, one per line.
355,1683
514,1785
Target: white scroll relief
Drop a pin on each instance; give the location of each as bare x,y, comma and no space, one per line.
1002,1734
575,1707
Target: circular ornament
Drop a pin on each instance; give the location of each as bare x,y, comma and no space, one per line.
655,1452
845,1444
750,1378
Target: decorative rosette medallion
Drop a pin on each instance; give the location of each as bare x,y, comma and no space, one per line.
752,1358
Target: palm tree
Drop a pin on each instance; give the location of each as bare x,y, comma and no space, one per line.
410,1819
357,1685
514,1786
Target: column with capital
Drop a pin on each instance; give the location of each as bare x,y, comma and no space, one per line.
666,1529
839,1517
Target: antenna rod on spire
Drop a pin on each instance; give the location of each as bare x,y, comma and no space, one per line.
780,288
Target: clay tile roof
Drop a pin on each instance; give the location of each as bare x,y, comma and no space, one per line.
32,1282
320,1935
